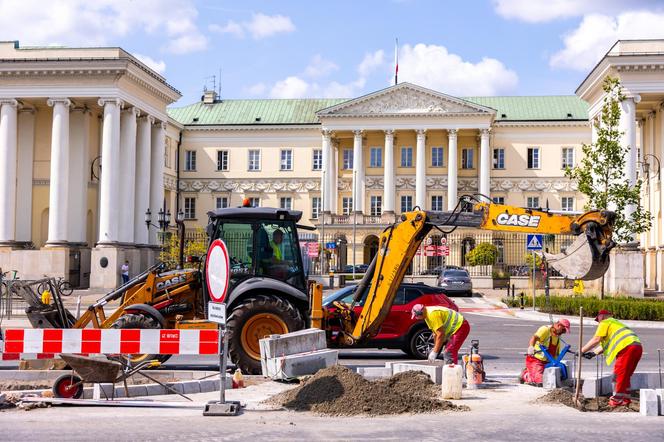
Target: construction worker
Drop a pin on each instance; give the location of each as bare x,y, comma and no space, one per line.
449,327
619,343
275,244
548,336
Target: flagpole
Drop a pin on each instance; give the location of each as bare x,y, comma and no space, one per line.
396,61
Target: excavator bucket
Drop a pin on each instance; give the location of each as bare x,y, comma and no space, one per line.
584,259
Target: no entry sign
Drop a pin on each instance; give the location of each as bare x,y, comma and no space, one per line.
217,272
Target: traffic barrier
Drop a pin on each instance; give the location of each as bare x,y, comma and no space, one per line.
48,342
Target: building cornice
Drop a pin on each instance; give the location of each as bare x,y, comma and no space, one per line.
549,123
250,127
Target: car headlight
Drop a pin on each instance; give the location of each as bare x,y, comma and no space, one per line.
443,284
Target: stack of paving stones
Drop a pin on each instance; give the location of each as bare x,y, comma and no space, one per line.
651,401
291,355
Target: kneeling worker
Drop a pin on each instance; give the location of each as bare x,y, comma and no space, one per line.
449,327
621,344
548,336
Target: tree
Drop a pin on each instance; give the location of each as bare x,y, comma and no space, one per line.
195,246
485,254
600,174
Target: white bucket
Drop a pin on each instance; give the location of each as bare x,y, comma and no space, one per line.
452,381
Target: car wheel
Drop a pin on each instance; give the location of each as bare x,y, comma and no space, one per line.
421,343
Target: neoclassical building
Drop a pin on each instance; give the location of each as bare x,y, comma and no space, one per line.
94,146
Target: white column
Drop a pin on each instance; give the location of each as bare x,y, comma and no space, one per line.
389,190
421,170
358,171
334,172
452,165
25,159
157,175
127,173
8,148
485,164
654,231
58,206
142,178
628,128
109,186
79,173
326,173
660,155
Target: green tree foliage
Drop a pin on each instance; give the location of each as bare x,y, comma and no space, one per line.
195,246
600,174
485,254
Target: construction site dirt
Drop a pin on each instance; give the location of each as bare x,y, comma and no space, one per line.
601,404
338,391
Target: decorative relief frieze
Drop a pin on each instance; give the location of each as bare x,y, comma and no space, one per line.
254,186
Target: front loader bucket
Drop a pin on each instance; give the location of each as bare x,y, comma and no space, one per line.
581,260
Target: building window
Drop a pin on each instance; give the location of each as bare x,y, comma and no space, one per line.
254,201
568,157
221,202
406,203
222,160
437,203
348,159
254,159
533,158
467,158
567,203
406,157
286,202
190,160
532,202
376,205
498,200
286,159
347,205
315,207
436,157
190,208
499,158
376,157
317,160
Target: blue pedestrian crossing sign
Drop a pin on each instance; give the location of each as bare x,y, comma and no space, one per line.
534,242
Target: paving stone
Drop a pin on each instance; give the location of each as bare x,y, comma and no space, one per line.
292,366
660,398
374,372
156,390
649,402
552,378
435,371
191,387
301,341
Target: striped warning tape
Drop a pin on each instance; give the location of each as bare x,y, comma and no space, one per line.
45,343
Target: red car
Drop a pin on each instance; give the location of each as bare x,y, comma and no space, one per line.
399,331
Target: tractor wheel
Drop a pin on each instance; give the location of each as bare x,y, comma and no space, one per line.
252,320
132,320
68,386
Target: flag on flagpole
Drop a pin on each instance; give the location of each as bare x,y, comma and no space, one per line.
396,61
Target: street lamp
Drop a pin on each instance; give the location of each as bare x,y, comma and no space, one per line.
179,220
163,220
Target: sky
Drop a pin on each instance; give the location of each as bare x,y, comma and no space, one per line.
345,48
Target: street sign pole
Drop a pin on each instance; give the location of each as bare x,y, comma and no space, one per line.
534,280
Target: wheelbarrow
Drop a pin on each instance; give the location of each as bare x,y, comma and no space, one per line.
100,371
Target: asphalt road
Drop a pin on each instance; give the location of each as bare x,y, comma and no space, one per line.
503,342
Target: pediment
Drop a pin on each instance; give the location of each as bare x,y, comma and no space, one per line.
405,99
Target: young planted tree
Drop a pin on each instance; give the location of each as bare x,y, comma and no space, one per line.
600,174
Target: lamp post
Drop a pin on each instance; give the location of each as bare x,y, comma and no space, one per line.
354,218
179,220
163,220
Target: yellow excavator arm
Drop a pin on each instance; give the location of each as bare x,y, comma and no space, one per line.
587,258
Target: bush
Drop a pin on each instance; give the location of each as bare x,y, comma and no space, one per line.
485,254
193,247
622,308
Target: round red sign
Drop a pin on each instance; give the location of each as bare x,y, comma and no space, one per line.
217,271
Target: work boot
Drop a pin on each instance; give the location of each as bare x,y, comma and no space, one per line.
618,401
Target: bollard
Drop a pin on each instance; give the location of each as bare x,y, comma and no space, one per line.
522,300
331,280
513,290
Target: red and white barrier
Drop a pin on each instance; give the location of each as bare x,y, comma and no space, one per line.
47,342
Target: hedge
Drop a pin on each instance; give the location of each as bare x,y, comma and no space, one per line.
622,308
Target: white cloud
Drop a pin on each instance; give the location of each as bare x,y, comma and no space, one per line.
371,62
290,87
587,44
159,66
260,26
320,67
538,11
101,22
434,67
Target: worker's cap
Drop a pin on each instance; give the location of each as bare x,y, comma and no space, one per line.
565,323
602,313
417,310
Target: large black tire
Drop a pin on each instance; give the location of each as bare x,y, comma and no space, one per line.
253,319
132,320
420,343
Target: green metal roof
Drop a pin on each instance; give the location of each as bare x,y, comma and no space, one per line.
303,111
542,108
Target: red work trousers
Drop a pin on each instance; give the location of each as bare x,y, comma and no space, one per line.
456,341
534,370
626,362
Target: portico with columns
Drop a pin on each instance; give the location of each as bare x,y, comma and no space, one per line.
82,136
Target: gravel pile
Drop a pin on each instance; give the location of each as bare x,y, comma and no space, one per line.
566,397
338,391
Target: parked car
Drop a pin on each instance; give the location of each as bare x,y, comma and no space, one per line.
437,270
359,268
455,282
399,331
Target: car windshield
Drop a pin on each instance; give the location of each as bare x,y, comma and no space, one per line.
456,274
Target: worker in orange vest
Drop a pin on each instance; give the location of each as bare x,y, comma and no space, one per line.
548,336
619,343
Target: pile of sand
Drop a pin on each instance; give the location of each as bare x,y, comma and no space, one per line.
566,397
338,391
